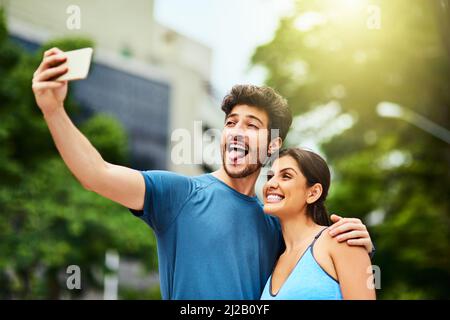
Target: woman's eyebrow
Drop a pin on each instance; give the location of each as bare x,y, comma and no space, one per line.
289,168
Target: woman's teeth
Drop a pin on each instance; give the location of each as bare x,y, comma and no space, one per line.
274,198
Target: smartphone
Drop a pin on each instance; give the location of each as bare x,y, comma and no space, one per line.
78,63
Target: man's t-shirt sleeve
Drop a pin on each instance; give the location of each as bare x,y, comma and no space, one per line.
165,194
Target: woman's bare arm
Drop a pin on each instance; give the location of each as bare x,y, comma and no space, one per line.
354,271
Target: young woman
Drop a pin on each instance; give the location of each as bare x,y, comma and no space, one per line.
313,265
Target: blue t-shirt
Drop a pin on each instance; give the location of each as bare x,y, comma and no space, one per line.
213,242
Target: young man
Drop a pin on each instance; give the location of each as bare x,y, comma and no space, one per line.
214,241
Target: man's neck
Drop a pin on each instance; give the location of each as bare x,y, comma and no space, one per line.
243,185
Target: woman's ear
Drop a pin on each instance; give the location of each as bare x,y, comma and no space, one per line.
275,145
314,193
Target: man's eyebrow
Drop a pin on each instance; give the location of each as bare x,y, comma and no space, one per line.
231,115
256,118
247,116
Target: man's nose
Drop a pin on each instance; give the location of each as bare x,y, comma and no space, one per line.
239,126
236,133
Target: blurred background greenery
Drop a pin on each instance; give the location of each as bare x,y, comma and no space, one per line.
386,170
47,218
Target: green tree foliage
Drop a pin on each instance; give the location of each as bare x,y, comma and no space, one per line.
47,220
328,51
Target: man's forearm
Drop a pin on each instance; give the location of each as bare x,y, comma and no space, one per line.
83,160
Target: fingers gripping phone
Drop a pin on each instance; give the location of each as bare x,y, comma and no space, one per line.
78,63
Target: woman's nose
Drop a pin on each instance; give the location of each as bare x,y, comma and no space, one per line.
272,183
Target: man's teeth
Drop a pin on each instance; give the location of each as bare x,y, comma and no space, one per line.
274,197
237,146
237,151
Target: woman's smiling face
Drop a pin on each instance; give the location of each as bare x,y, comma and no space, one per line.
286,190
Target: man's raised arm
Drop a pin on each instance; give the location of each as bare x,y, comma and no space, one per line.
120,184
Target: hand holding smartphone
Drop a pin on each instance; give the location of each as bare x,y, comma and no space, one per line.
55,70
78,63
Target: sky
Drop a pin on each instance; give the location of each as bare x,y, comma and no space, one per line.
231,28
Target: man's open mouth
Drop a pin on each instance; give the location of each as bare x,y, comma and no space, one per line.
237,151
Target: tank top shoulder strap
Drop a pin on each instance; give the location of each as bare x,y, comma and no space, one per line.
317,237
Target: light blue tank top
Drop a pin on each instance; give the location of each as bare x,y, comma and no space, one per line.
307,281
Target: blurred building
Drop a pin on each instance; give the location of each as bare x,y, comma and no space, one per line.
153,79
